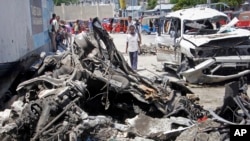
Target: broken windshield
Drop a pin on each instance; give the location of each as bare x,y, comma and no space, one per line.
204,26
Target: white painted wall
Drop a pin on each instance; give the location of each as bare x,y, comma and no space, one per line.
15,29
17,37
73,12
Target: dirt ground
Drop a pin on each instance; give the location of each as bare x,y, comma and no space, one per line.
211,96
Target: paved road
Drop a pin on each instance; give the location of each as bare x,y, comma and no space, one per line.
120,40
211,96
148,62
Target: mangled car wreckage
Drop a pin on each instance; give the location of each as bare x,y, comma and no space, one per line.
208,47
89,92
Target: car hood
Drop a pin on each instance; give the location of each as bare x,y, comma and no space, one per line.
199,40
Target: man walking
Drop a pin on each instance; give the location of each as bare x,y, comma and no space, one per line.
132,46
136,25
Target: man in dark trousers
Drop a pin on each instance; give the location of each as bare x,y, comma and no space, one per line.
132,46
157,24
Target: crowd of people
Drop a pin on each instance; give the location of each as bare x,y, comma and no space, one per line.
61,32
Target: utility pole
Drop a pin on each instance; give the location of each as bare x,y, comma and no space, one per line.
160,7
131,4
208,3
159,22
97,8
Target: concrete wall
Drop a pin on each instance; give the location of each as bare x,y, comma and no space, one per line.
73,12
23,36
24,27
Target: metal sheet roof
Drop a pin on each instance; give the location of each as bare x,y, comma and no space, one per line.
135,8
164,6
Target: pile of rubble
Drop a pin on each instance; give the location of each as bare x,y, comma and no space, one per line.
89,92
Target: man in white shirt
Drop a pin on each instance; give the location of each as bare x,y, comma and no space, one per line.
55,24
137,26
132,46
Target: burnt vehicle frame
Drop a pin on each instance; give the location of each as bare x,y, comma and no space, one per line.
208,48
90,88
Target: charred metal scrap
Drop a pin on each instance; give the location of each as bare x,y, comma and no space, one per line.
234,111
236,106
90,93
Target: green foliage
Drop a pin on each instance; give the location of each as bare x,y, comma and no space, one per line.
215,1
174,1
58,2
233,3
180,4
152,4
184,4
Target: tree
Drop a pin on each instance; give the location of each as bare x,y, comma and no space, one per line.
180,4
59,2
152,4
233,3
186,3
174,1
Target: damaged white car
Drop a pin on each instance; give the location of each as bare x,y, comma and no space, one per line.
209,48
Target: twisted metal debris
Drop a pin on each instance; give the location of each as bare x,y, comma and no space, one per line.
89,92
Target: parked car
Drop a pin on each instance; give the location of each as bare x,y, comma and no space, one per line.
83,24
115,25
147,24
244,20
106,23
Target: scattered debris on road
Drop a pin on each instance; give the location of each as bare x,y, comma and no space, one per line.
89,92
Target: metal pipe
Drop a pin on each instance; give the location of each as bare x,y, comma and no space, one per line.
131,4
209,2
97,8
